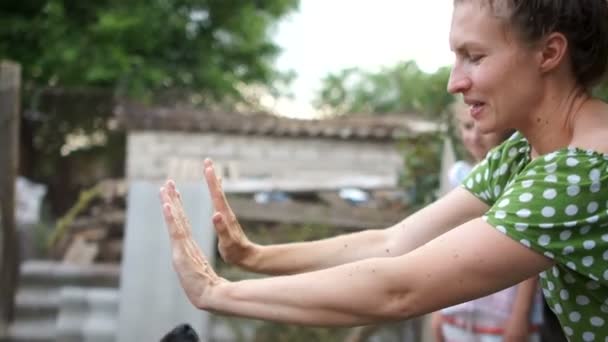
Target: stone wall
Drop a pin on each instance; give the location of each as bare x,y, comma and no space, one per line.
155,155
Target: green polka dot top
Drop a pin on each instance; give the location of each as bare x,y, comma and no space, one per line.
556,204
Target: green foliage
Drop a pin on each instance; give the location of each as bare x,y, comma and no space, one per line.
64,223
420,173
270,331
143,47
601,91
78,57
401,88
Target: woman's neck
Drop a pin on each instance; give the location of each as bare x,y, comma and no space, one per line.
551,126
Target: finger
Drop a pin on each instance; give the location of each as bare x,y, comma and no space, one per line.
168,214
175,194
172,189
208,164
215,190
171,197
178,208
175,232
164,196
219,223
180,225
168,218
215,183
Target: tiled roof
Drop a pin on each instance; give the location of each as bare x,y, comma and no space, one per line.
355,127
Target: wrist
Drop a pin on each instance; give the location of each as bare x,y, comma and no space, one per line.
253,257
213,294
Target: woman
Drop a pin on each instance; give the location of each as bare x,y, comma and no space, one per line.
511,314
537,204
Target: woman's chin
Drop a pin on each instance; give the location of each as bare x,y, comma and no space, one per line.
487,127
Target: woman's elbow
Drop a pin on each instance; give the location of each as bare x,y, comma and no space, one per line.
398,305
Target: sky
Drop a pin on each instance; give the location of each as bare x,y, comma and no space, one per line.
326,36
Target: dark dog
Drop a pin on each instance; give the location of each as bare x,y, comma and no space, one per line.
181,333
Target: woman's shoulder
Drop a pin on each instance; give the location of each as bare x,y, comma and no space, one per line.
515,149
593,140
591,130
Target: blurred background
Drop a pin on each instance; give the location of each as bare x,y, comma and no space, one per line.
323,117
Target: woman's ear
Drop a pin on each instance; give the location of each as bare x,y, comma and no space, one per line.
553,51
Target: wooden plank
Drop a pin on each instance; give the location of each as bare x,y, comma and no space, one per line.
189,170
327,183
110,217
314,213
10,86
81,252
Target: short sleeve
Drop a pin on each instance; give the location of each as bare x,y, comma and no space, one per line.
558,206
489,179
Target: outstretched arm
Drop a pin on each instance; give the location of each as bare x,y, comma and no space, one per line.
465,263
457,207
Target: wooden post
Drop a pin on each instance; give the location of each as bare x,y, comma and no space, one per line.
10,86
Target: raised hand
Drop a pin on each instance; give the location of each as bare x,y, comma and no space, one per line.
194,271
233,244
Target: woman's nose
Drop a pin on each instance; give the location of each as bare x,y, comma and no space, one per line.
459,82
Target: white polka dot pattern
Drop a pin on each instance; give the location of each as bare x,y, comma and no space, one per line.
556,204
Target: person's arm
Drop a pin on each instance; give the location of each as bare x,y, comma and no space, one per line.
436,326
465,263
517,327
450,211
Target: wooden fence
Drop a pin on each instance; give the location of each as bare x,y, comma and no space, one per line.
10,86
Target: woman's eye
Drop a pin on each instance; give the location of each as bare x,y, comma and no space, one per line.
475,58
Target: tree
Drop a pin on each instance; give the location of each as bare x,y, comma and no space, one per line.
601,90
401,88
141,47
79,56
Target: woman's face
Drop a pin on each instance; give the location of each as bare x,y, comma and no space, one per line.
476,143
493,70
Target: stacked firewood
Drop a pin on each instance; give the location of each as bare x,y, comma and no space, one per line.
92,231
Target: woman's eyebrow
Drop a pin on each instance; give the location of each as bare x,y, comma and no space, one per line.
466,46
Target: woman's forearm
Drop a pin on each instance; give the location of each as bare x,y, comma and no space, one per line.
298,257
351,294
417,229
